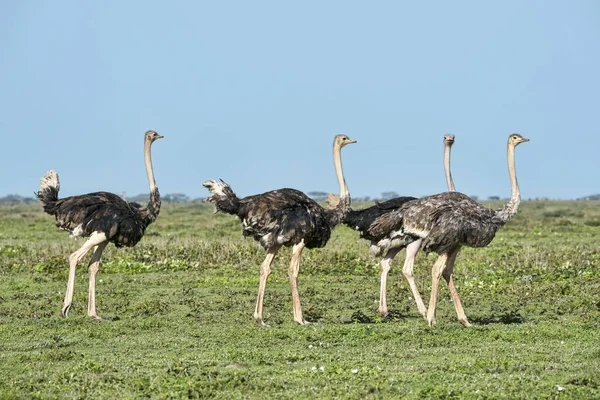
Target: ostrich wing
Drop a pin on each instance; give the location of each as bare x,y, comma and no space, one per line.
445,221
360,220
416,217
285,217
80,214
392,204
467,223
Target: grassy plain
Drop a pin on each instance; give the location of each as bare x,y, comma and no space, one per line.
179,315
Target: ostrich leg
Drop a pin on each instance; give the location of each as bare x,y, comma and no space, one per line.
385,264
265,271
293,273
409,262
94,240
93,270
447,274
436,274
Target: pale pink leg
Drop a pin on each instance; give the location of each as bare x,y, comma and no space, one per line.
94,240
293,273
265,270
447,274
436,274
409,262
93,270
385,263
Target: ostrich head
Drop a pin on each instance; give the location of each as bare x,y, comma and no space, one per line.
342,140
448,139
514,139
151,136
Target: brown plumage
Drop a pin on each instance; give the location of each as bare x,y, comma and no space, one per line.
284,217
103,217
443,223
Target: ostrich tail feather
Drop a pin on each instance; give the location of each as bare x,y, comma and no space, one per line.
224,199
48,193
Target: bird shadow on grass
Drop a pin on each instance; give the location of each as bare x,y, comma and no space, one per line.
358,317
111,318
508,318
312,315
395,316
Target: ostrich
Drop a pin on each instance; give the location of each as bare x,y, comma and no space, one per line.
284,217
360,220
102,217
445,222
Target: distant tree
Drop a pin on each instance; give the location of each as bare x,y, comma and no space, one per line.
16,199
389,195
175,198
493,197
591,197
475,197
140,198
317,195
168,198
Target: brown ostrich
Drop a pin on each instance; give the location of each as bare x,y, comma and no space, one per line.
284,217
102,217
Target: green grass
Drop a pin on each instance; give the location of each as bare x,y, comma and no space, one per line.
179,308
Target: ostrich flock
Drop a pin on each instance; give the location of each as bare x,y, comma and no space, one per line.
440,223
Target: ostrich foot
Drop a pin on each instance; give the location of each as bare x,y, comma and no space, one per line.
465,323
260,322
65,309
383,312
95,317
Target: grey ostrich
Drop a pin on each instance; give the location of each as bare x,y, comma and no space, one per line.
360,220
443,223
284,217
102,217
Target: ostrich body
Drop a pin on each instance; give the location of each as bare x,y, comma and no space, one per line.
443,223
284,217
361,220
103,218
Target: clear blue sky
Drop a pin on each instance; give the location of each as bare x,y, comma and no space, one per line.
254,91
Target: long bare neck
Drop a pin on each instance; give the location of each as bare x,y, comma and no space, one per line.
153,207
510,209
337,162
341,210
449,180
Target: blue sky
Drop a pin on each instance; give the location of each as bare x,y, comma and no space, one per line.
253,92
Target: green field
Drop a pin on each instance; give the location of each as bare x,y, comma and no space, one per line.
178,310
